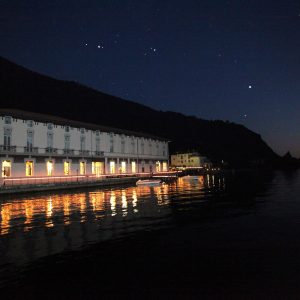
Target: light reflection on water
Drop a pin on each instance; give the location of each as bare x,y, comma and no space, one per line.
35,226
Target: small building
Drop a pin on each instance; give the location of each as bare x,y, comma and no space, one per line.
34,144
189,160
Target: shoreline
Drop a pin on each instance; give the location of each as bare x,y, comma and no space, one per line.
67,185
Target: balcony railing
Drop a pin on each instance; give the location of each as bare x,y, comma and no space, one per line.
5,148
99,153
51,150
84,152
68,151
31,150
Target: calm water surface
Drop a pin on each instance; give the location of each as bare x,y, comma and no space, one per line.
230,212
35,226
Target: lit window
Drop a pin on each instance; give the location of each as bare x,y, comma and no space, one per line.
133,167
82,168
97,168
157,166
6,168
112,167
165,167
49,166
29,168
123,167
67,168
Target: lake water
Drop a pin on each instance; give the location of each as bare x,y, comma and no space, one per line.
233,236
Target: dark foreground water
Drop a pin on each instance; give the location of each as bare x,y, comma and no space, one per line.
234,236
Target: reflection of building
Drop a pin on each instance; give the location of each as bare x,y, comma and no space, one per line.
189,160
44,225
41,145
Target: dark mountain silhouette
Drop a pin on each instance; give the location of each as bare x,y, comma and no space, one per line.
235,144
289,162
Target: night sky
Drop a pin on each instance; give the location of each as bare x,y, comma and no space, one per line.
229,60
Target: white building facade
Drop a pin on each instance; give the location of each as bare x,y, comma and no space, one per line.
190,160
41,145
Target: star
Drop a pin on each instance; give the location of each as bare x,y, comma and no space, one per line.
250,86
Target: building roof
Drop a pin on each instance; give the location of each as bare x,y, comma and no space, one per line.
44,118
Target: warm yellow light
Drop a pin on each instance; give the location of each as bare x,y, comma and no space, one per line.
29,168
113,203
158,166
97,168
112,167
133,167
82,168
165,167
6,168
123,167
67,168
49,165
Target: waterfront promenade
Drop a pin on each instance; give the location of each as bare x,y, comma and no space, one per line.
44,183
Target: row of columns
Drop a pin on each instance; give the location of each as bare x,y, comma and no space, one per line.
128,161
